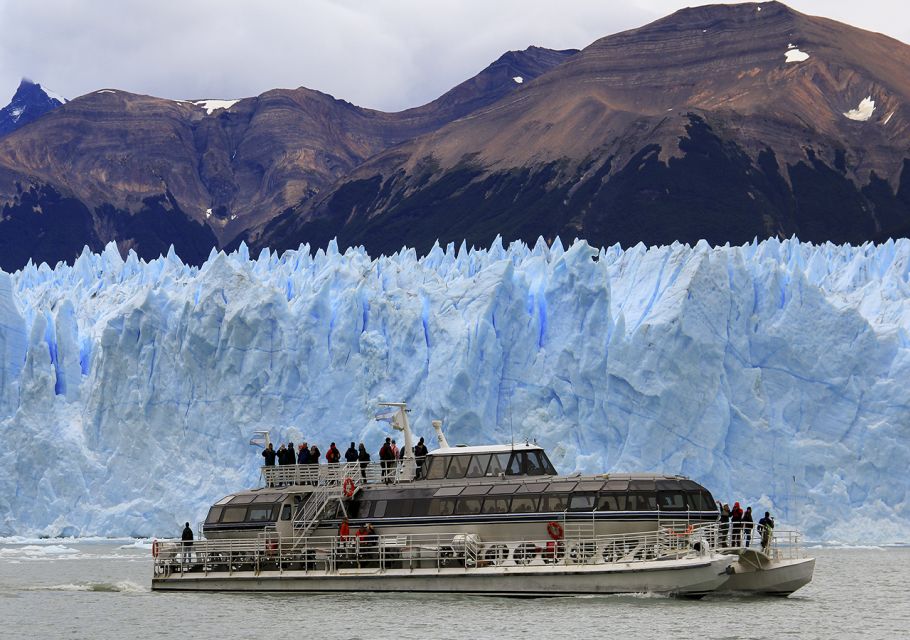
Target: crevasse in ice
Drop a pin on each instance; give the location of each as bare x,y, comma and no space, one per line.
775,373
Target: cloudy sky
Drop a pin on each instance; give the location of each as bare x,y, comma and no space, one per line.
385,54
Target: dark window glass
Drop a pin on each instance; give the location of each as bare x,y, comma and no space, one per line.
379,508
398,509
234,514
533,488
448,491
467,506
581,502
457,467
701,501
642,485
475,490
214,515
616,485
500,489
260,514
420,508
242,499
611,502
437,467
270,497
534,466
688,485
671,500
477,468
548,467
523,503
560,487
589,485
496,505
554,502
498,463
331,511
286,512
516,464
668,485
642,502
442,506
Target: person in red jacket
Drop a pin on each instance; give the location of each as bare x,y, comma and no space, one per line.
344,531
333,455
736,520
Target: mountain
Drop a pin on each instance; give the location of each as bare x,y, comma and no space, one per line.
775,373
147,172
29,103
722,122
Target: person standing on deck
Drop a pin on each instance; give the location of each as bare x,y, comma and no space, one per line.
187,538
385,460
736,521
724,526
420,455
363,457
747,527
766,530
269,454
351,454
333,455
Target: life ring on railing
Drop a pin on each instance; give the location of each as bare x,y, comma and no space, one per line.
348,487
154,548
555,530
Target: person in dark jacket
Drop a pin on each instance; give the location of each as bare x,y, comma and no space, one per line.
314,454
747,527
351,454
290,456
303,456
363,457
420,455
187,538
724,526
766,530
736,522
269,454
385,460
281,455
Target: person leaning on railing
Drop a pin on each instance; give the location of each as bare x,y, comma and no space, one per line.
766,530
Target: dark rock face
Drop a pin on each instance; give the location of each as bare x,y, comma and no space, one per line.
698,126
109,160
29,103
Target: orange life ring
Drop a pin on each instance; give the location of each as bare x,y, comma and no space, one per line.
554,529
348,487
154,548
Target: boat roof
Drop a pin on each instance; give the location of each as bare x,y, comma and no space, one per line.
486,448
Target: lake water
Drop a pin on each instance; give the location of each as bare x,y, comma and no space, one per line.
100,590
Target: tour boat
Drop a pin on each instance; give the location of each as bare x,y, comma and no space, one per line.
492,519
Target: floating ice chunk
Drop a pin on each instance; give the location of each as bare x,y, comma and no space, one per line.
795,55
211,106
863,112
208,213
518,79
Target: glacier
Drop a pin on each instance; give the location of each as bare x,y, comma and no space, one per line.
775,373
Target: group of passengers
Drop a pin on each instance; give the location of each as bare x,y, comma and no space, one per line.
389,455
736,527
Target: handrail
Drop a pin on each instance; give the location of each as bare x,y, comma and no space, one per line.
318,474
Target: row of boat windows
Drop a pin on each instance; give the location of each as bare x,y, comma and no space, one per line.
235,514
527,503
517,463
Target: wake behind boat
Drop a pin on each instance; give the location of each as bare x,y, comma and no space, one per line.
494,520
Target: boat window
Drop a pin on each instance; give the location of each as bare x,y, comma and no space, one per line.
548,467
581,502
642,485
260,514
524,504
379,508
688,485
442,506
398,509
498,464
224,500
701,501
496,505
332,510
500,489
554,502
214,515
420,508
448,491
616,485
611,502
476,490
668,485
286,512
671,500
437,467
516,464
537,487
270,497
533,465
242,499
478,466
560,486
641,502
234,514
458,466
589,485
467,506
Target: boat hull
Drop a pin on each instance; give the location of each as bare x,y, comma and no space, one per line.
756,573
685,577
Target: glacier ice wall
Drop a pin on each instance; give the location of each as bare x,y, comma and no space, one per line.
775,373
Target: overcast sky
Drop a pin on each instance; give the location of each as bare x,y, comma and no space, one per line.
384,54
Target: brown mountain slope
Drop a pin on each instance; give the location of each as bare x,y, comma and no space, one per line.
148,172
719,122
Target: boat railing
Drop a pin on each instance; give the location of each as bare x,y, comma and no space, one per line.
779,544
437,552
335,473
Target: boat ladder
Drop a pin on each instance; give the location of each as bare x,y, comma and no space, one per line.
308,516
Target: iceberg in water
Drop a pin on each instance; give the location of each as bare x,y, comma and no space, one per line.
775,373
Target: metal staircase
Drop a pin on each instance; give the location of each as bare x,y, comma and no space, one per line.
309,515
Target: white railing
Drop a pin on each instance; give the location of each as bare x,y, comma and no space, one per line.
317,474
781,544
435,552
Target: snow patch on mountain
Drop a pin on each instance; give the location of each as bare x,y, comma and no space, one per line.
211,106
863,112
518,79
774,373
795,55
